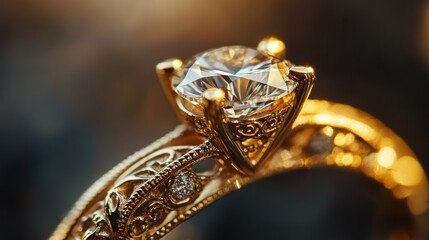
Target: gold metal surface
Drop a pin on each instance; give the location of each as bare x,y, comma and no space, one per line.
273,46
136,199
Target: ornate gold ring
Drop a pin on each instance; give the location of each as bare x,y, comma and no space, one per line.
245,116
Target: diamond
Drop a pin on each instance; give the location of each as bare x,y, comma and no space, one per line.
183,186
251,79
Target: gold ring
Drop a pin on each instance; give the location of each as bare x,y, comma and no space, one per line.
245,117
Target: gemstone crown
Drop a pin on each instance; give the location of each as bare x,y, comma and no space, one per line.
251,79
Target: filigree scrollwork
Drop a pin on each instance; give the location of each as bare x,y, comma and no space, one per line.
177,189
94,226
147,215
254,134
246,130
257,128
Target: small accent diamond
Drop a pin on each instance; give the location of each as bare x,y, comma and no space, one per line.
183,186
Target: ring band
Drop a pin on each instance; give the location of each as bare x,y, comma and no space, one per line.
227,143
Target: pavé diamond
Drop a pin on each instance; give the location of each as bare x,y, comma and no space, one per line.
251,79
183,186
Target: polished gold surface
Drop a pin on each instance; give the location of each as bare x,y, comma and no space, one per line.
140,198
273,46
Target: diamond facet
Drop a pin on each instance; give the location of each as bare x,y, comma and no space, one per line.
183,186
251,79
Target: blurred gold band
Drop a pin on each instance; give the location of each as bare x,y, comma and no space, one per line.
137,199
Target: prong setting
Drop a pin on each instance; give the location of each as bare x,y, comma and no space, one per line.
165,71
242,99
169,66
273,46
213,102
301,73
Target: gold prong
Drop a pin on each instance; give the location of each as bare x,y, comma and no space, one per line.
214,102
305,77
272,46
301,73
214,95
165,71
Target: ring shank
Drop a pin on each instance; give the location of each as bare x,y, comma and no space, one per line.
136,195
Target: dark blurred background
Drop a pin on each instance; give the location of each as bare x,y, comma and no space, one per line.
78,93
